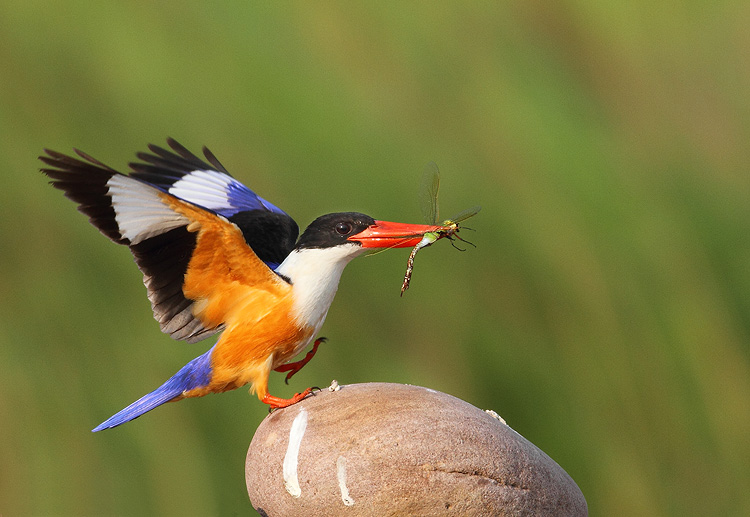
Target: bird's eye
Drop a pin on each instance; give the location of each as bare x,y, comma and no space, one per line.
343,228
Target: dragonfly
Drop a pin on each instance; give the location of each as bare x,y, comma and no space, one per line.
449,228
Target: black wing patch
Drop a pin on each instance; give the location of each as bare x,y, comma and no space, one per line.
130,212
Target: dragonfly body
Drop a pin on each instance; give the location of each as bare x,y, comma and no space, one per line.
447,229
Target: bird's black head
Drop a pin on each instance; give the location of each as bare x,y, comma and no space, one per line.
332,230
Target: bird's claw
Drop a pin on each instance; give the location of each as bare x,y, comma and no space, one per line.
278,403
296,366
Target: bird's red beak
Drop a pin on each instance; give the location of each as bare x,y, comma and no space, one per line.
383,234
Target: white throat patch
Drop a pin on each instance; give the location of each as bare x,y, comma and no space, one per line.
315,275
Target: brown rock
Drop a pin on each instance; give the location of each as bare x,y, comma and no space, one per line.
389,449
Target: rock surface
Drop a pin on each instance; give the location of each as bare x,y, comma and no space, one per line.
389,449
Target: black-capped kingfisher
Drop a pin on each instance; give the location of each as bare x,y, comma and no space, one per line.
216,257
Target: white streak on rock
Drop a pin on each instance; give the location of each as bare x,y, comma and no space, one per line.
291,482
341,474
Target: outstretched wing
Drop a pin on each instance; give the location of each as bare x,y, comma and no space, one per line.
191,258
209,185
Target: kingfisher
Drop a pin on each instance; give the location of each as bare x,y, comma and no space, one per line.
216,257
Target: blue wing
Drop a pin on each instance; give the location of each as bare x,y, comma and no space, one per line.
268,230
184,175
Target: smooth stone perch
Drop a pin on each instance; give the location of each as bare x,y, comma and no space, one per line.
389,449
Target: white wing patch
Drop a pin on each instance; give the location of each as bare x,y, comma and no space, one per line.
139,211
204,188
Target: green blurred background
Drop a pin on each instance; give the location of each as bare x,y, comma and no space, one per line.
605,313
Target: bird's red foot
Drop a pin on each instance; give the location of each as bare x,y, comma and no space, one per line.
296,366
277,403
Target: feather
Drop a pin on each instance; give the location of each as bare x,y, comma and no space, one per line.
195,374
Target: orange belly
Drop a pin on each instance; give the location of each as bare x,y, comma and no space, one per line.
254,344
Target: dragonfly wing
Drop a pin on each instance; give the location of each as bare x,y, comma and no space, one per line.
463,215
429,193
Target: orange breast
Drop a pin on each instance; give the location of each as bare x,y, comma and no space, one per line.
252,347
249,350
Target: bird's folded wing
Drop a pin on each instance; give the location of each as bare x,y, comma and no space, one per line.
193,260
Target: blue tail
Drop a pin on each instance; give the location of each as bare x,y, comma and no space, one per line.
195,374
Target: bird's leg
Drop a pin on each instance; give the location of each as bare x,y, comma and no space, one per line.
296,366
277,403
